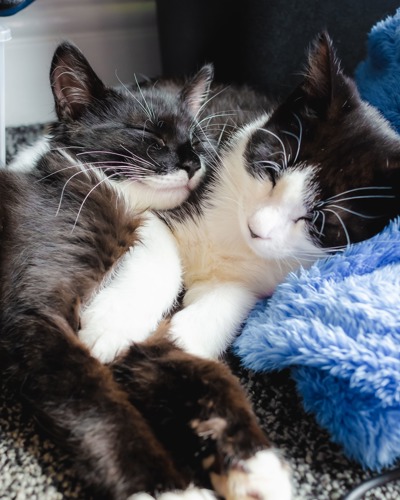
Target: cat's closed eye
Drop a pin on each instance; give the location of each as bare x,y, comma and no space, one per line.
307,218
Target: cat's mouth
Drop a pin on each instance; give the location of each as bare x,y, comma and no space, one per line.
166,184
253,235
161,192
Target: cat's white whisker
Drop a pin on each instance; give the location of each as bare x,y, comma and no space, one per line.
149,156
127,158
341,223
58,171
81,171
315,217
217,157
320,213
206,102
298,143
105,179
128,168
150,110
216,127
138,158
143,107
270,164
354,212
221,134
212,116
284,152
298,138
365,188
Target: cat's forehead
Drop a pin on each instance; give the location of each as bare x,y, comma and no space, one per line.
153,101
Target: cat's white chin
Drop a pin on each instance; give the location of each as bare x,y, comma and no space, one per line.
169,197
160,193
143,196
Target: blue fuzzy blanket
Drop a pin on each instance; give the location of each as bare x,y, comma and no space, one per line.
336,326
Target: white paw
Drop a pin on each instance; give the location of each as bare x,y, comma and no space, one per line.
190,493
264,476
189,334
105,345
140,496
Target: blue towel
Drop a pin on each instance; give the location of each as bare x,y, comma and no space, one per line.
336,326
378,77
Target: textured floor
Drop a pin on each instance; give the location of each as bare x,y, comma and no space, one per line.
31,467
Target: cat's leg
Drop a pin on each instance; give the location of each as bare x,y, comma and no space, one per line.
200,413
81,407
210,318
144,287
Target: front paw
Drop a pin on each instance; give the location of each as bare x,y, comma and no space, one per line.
110,335
265,476
189,335
104,345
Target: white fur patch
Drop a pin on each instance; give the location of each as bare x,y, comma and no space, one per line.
190,493
26,159
264,477
143,289
160,192
209,320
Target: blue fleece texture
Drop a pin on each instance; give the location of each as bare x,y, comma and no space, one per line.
336,326
378,77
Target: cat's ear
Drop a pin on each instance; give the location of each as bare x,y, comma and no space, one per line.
322,68
196,90
74,83
325,86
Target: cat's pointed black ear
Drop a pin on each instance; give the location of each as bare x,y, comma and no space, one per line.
324,83
74,83
322,68
196,90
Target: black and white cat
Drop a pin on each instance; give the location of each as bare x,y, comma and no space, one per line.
157,148
157,421
321,172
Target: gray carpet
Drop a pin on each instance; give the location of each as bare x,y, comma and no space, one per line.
31,467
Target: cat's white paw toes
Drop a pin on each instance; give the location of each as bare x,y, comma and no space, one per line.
105,346
190,493
263,477
140,496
